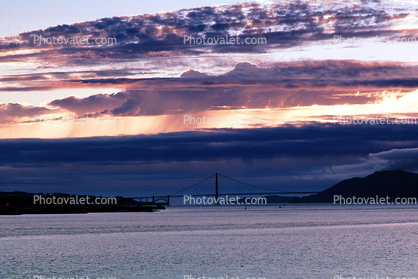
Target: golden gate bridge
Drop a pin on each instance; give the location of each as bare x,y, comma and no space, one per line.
217,185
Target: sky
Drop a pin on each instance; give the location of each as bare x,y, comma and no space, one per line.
144,98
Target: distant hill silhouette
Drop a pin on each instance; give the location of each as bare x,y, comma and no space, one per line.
392,183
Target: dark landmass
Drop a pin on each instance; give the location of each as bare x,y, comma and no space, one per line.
16,203
392,184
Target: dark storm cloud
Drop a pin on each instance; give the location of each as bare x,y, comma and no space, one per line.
249,86
309,142
11,112
283,25
406,159
305,158
90,104
68,75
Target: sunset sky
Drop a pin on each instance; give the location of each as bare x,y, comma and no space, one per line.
115,118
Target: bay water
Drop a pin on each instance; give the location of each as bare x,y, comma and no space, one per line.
287,241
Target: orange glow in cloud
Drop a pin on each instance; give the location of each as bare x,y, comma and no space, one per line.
241,118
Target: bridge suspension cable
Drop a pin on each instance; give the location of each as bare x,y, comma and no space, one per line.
228,188
263,188
193,185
